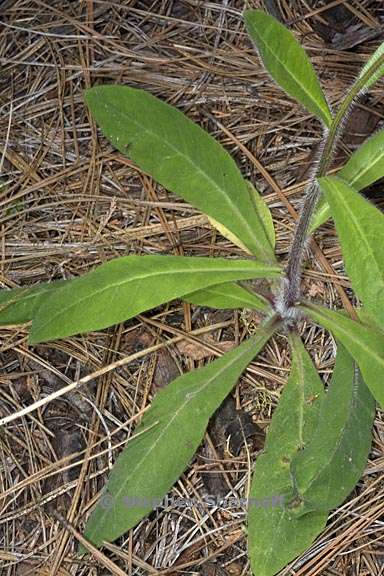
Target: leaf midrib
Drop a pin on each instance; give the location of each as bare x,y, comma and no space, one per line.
300,374
142,277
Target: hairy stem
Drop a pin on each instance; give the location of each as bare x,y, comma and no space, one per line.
291,290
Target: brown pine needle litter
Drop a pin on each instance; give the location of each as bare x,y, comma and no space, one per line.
69,202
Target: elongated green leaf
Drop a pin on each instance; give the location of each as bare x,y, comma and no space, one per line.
228,234
364,343
331,464
379,53
366,165
263,212
275,534
229,295
166,440
181,156
321,215
126,286
264,215
360,227
18,305
287,62
363,168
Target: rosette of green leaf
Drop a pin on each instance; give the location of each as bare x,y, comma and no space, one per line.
229,295
126,286
166,440
332,462
275,535
364,342
18,304
360,228
182,157
363,168
287,62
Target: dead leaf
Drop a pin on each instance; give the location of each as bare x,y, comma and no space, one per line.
65,443
198,351
212,477
166,370
228,428
360,124
233,427
212,569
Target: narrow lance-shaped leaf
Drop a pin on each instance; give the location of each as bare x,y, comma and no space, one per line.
331,464
275,535
228,234
363,168
264,213
365,344
379,53
229,295
18,304
287,62
181,156
265,217
360,227
166,440
126,286
366,165
321,215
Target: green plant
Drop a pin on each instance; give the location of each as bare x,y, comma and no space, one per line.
318,442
